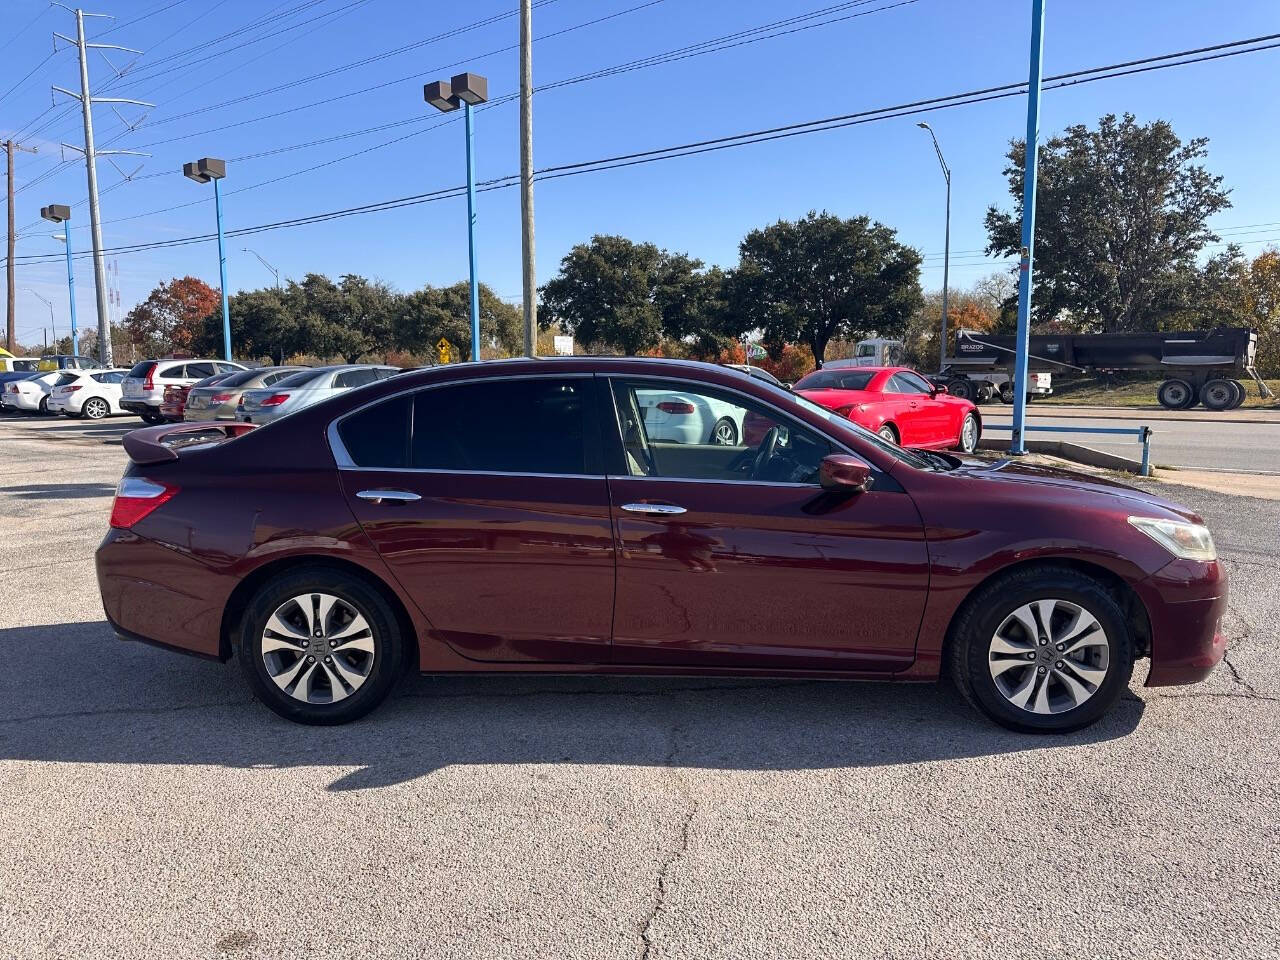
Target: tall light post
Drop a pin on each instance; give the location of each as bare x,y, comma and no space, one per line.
202,171
263,260
60,213
52,326
946,256
465,90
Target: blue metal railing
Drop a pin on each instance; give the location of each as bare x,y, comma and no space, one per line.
1142,433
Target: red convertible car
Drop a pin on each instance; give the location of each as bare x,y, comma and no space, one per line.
898,404
417,524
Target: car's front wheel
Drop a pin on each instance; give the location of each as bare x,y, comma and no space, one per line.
1046,649
320,646
968,442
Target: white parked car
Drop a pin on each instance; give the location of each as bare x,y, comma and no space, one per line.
10,364
31,394
142,390
92,394
689,418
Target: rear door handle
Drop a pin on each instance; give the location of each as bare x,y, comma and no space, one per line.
397,496
664,509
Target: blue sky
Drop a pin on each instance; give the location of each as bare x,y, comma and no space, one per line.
702,205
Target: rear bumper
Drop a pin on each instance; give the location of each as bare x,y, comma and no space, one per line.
150,591
140,406
1185,603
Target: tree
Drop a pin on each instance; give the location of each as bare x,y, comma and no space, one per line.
1121,215
425,316
824,277
172,317
261,326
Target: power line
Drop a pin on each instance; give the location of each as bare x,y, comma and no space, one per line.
694,148
29,24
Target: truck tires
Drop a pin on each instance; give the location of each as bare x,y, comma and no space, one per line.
1006,392
1176,394
961,388
1240,394
1219,394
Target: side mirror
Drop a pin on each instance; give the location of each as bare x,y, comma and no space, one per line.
841,473
937,389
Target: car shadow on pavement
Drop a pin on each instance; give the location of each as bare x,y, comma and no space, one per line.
58,491
74,693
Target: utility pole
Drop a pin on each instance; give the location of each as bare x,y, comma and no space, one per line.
1031,168
10,332
90,159
526,179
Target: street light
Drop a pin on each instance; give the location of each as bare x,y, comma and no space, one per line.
465,90
946,256
263,260
59,213
202,171
52,326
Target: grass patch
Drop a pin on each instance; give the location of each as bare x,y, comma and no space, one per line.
1118,392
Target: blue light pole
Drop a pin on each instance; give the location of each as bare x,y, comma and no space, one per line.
59,213
465,90
1031,165
202,171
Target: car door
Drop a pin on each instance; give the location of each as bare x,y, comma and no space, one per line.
488,502
932,418
734,556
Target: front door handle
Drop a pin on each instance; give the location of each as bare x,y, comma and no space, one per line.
663,509
397,496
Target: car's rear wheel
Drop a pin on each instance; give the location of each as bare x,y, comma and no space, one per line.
1043,650
888,432
725,433
320,646
44,406
969,434
95,408
152,418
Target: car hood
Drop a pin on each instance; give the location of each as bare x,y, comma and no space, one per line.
1060,484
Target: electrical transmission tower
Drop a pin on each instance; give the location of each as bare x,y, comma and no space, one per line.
90,158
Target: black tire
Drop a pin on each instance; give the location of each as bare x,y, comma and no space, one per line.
888,432
968,441
44,407
388,655
1240,391
1176,394
95,408
1218,394
962,388
724,433
969,655
1006,393
985,393
154,419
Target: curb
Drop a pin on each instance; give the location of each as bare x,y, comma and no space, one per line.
1067,450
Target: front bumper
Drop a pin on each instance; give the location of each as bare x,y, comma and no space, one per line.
1185,601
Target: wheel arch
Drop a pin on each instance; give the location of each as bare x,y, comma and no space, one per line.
242,596
1134,609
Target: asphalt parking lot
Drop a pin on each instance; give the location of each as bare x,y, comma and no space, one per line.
152,809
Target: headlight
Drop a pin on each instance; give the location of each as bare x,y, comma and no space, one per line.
1190,541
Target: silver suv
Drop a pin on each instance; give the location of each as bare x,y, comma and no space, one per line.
142,390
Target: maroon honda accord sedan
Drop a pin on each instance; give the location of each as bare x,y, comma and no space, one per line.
518,516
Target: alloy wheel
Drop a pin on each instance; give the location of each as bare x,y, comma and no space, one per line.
725,433
95,408
969,435
1049,656
318,648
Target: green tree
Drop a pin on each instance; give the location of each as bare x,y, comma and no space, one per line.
821,278
423,317
261,326
1121,216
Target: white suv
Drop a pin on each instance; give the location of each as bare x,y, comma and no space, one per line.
142,391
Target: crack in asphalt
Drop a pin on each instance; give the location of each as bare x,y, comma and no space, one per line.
674,855
141,711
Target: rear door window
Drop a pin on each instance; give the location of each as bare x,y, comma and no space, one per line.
177,371
200,370
526,426
378,436
355,378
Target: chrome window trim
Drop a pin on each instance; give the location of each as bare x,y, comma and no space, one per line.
344,461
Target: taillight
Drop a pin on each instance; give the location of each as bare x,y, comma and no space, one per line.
71,389
274,400
675,406
150,382
848,409
220,398
136,497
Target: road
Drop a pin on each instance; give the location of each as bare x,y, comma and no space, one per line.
1238,440
152,809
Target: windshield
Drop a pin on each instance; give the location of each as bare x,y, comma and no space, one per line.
66,378
140,370
836,380
909,457
301,378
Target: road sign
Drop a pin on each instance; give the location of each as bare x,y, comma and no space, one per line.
444,351
564,346
756,352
